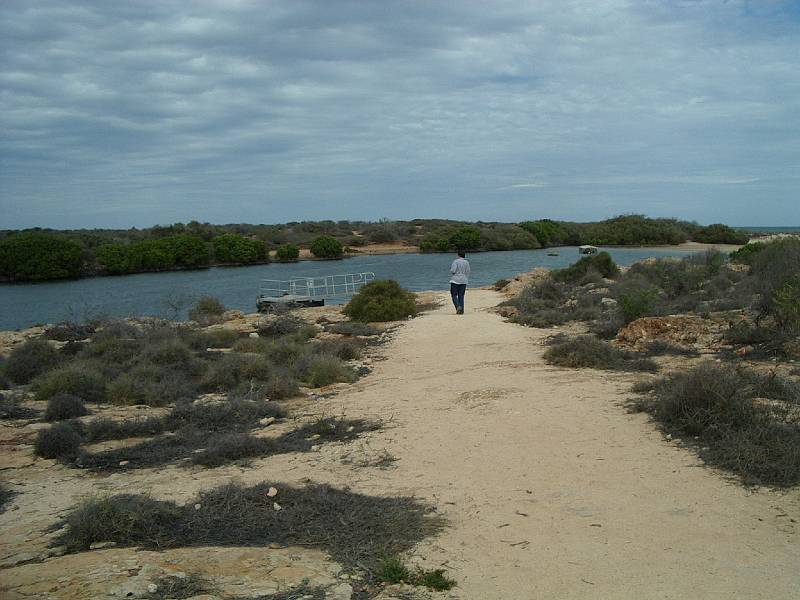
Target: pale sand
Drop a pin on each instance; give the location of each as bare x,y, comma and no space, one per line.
551,488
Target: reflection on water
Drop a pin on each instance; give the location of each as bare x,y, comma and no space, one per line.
23,305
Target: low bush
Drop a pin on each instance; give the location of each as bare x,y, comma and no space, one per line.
287,252
661,347
30,359
318,370
220,338
102,429
78,378
231,415
183,587
69,331
6,495
745,422
746,254
352,328
11,408
394,570
230,447
326,246
600,262
344,349
64,406
500,284
637,303
207,310
381,300
151,385
353,528
588,351
285,325
233,369
61,440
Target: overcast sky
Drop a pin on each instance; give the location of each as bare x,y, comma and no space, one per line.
119,114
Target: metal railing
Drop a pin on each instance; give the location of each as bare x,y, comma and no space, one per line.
316,288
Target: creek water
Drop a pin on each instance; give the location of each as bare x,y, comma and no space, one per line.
26,304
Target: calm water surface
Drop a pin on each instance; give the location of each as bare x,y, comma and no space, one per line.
23,305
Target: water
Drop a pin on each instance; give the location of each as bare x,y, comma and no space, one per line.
770,229
24,305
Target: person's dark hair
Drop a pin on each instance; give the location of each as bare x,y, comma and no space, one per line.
462,254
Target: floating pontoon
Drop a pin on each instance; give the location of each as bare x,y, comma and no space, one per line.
308,291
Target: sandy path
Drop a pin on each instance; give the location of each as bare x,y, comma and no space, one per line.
552,489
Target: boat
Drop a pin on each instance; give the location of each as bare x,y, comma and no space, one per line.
588,249
552,253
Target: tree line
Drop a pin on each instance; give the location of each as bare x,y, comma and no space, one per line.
43,254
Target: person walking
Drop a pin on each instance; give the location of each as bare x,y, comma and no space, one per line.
459,276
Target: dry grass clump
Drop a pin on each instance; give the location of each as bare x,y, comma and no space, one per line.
220,338
30,359
175,587
62,440
64,406
352,328
70,331
208,310
102,429
354,529
318,370
284,325
745,422
214,447
11,407
589,351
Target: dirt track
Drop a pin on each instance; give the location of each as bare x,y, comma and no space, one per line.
552,489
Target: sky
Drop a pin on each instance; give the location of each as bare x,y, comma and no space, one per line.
135,113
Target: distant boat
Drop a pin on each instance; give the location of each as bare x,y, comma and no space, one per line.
553,253
587,249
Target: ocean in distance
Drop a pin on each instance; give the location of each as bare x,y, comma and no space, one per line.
146,294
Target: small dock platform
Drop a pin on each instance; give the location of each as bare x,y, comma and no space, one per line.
301,292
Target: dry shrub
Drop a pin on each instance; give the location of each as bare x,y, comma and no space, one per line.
30,359
589,351
64,406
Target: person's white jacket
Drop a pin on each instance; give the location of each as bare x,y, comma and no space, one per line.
459,271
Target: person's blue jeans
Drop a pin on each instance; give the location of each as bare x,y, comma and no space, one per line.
457,291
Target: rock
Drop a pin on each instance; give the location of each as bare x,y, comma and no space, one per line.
152,588
254,335
276,506
230,315
101,545
601,291
267,421
17,559
198,506
272,492
676,329
122,463
608,302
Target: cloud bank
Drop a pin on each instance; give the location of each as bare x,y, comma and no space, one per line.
122,114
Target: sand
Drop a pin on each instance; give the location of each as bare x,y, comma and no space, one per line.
552,489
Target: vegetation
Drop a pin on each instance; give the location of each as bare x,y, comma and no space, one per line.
64,406
353,528
207,310
48,254
30,359
287,252
744,422
237,249
600,263
62,440
588,351
326,247
381,300
394,570
35,256
353,328
11,407
78,378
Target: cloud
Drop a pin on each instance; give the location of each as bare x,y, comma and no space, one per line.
133,113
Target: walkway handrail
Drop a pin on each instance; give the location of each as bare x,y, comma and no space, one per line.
327,286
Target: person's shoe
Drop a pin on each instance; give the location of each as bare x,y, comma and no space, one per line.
459,311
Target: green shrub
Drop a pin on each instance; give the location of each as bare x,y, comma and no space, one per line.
600,262
64,406
59,441
775,272
719,234
637,303
69,331
220,338
381,300
394,570
232,248
326,247
78,378
152,385
34,256
588,351
786,305
320,370
746,254
233,369
287,252
30,359
207,310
